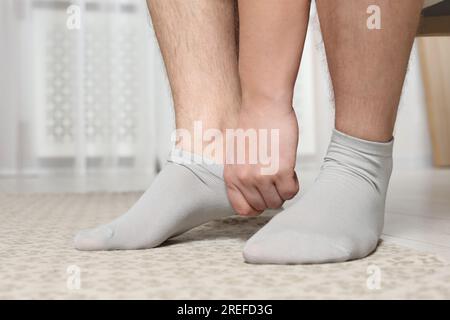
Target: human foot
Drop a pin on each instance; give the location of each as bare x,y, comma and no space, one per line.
184,195
340,218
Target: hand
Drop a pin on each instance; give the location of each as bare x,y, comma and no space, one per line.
249,191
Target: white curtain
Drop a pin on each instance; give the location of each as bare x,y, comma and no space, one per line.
78,94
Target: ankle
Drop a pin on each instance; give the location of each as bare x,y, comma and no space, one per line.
368,133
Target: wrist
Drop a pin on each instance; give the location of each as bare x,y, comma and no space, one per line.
266,102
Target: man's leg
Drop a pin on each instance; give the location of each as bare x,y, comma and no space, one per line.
198,44
272,35
197,40
368,67
341,216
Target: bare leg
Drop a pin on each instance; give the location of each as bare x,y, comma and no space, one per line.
198,44
197,40
368,67
341,216
272,35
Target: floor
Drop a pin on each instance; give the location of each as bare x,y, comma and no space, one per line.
417,213
38,260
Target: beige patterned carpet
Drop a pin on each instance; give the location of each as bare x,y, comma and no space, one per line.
205,263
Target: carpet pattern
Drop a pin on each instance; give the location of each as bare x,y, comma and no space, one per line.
37,261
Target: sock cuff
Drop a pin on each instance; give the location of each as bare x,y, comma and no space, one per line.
184,157
383,149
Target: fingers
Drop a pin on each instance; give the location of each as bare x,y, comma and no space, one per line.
253,197
250,193
240,203
287,185
270,194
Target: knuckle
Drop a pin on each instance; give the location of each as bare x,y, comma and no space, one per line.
244,175
260,179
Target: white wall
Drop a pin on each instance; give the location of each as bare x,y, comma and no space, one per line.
8,83
413,142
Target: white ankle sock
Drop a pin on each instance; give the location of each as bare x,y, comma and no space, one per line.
186,193
340,218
